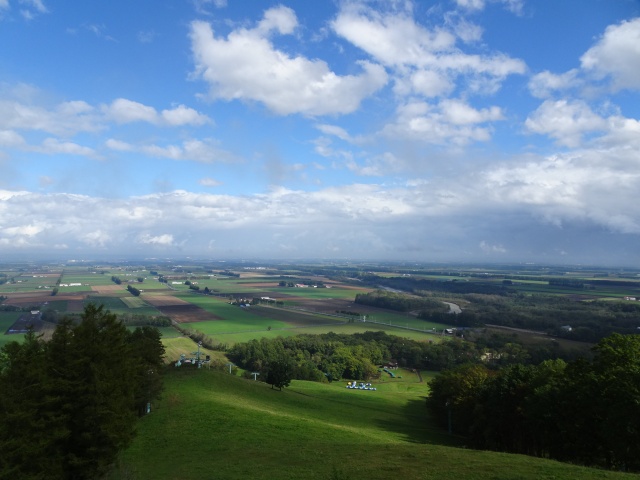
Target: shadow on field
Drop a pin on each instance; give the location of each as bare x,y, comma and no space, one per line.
415,424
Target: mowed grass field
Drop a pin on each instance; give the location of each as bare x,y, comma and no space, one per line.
346,328
214,425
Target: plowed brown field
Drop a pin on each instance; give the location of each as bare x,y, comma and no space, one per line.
106,289
37,298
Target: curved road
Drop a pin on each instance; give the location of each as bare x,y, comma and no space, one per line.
453,308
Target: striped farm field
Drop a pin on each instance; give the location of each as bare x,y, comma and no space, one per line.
133,302
108,289
163,300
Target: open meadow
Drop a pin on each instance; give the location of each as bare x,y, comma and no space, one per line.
210,424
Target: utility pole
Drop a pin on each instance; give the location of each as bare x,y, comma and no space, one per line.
255,375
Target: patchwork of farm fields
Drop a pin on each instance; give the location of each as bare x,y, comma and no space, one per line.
303,310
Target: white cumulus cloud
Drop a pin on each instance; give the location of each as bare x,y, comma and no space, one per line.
617,55
427,60
247,66
122,110
451,121
565,121
544,84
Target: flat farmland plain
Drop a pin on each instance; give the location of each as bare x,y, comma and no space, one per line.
293,317
307,309
179,309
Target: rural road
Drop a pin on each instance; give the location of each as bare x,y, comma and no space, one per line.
453,308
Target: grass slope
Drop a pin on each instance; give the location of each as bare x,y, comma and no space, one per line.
214,425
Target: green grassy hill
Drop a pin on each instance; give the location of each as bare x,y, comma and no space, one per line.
214,425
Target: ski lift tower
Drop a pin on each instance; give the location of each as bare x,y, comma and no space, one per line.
230,365
197,354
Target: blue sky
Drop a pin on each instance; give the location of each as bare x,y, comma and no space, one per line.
437,131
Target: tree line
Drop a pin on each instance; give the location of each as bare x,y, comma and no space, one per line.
412,284
333,356
399,302
323,357
500,305
584,411
70,404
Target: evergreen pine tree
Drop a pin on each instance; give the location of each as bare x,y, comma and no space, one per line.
69,405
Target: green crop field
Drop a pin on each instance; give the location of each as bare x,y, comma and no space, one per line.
6,320
248,323
404,320
88,278
327,293
210,424
145,310
216,305
346,328
110,303
134,302
4,339
295,316
168,332
59,305
151,284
